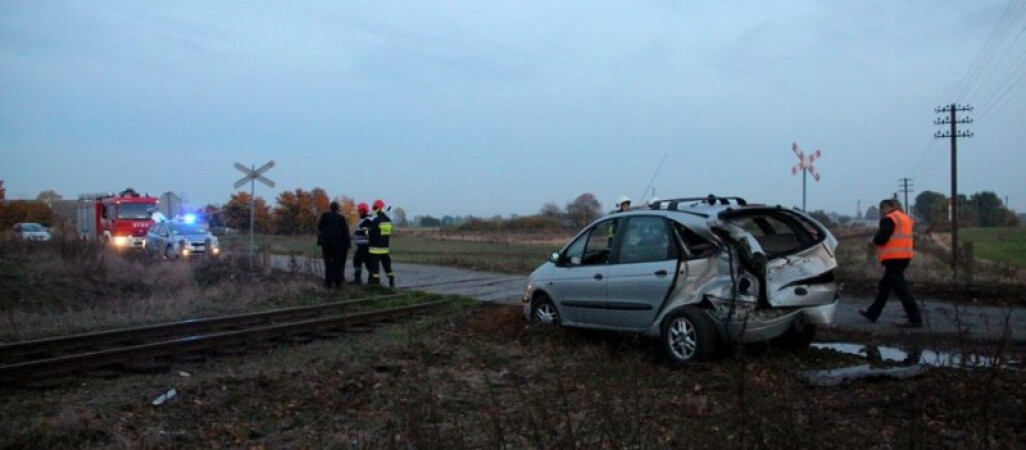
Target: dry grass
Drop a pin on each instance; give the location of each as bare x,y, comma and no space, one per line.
476,377
68,287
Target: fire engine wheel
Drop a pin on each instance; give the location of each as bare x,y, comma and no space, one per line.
169,253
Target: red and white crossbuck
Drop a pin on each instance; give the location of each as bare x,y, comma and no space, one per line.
805,166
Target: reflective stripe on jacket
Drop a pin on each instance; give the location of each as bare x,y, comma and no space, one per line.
899,246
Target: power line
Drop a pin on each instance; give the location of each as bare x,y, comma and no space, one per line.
987,51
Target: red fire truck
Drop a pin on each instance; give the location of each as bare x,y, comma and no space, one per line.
120,220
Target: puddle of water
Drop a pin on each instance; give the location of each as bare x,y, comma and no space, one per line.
924,357
834,377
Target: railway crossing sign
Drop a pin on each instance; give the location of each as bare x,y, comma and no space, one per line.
805,166
252,176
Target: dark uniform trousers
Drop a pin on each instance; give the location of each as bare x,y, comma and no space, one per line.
894,280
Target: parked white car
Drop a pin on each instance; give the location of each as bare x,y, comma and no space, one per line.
31,231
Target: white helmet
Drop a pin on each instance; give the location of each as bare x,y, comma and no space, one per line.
623,198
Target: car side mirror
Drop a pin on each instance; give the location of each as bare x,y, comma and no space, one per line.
555,258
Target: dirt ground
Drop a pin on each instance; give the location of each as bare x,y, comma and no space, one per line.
480,377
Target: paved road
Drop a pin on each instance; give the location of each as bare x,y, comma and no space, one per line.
940,317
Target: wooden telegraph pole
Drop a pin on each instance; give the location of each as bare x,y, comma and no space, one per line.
953,134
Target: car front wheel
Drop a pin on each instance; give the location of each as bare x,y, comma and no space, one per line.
544,311
169,253
688,336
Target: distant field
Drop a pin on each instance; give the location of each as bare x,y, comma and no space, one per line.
1001,245
510,257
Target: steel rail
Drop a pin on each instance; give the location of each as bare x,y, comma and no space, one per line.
18,351
14,352
52,367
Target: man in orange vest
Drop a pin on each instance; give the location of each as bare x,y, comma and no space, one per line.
894,251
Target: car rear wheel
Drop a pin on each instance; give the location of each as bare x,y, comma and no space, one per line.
544,311
688,336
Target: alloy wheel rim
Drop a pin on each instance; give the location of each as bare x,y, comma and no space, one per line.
682,339
546,313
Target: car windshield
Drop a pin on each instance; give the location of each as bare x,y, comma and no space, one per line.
31,227
134,210
189,228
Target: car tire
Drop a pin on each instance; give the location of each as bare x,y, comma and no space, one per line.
169,253
688,335
544,311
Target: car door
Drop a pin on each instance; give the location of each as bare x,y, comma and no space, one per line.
578,281
796,255
641,276
153,239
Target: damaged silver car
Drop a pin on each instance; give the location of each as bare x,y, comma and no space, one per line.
694,272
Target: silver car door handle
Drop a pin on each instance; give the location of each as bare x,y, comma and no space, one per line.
660,273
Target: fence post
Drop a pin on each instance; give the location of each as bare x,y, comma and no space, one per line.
968,261
266,253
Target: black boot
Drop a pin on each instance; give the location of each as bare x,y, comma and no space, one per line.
391,282
356,277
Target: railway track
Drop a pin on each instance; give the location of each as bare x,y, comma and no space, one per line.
44,359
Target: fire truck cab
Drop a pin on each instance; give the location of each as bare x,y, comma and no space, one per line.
119,220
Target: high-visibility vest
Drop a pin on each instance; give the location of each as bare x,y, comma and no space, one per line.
899,246
379,233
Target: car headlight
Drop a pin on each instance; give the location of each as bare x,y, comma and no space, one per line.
120,241
528,290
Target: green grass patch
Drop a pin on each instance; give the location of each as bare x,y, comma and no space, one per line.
1001,245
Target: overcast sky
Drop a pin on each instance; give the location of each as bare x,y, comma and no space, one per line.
484,108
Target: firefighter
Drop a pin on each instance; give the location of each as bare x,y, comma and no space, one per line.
378,233
361,257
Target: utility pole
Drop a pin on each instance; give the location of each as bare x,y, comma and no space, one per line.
906,186
953,133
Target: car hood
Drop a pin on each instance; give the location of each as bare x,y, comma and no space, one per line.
197,237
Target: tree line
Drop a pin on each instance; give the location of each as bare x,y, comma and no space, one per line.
295,212
982,209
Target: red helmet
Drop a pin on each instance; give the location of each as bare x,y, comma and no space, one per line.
379,205
362,207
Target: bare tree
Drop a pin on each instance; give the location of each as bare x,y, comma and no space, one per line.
583,210
49,196
551,211
399,217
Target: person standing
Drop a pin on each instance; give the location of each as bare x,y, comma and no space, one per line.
333,237
379,233
623,204
893,242
361,257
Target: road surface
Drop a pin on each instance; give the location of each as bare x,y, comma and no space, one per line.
981,322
